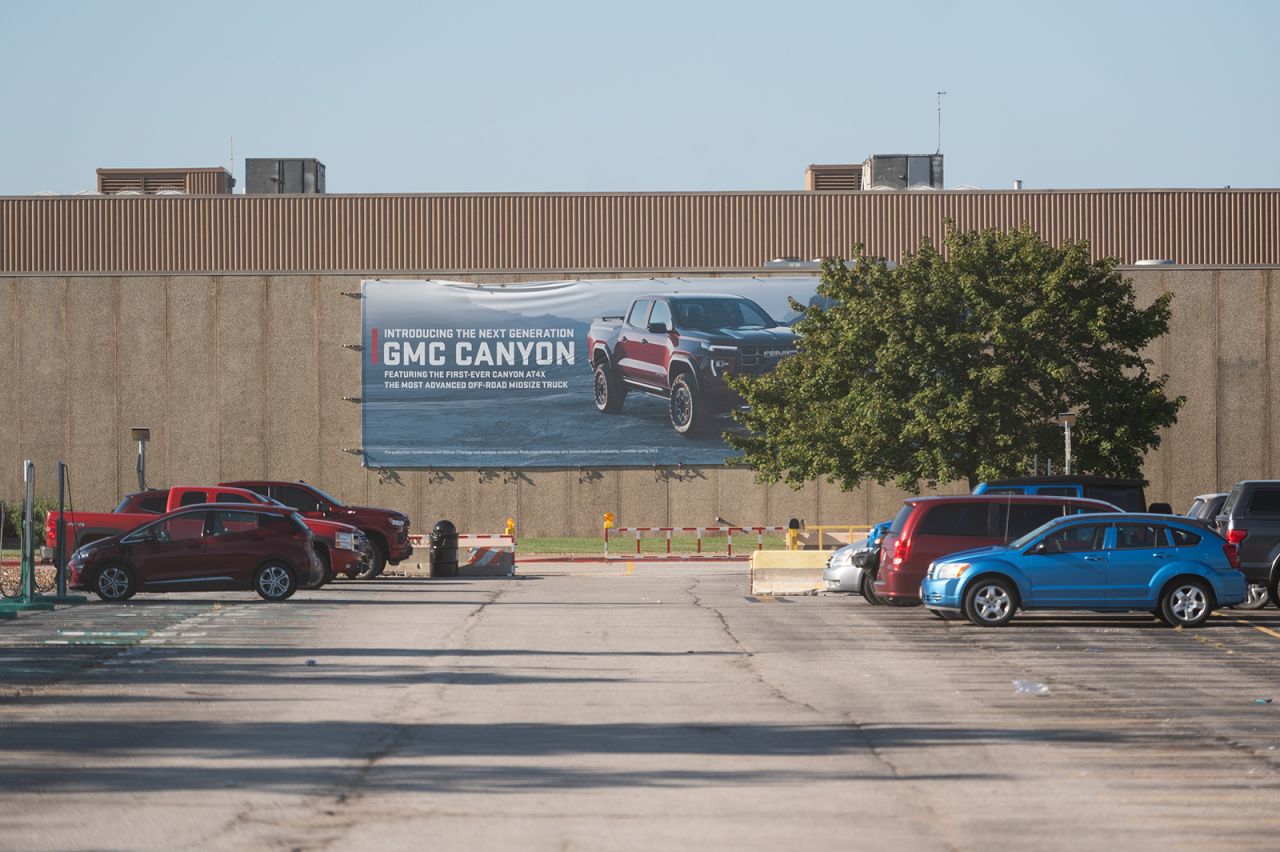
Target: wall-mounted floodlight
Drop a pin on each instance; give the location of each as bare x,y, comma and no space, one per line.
142,435
1066,420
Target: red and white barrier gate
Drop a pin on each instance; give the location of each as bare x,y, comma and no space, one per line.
697,531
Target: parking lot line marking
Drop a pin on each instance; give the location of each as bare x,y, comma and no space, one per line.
631,567
1258,627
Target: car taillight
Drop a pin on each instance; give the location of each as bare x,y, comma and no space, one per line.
901,550
1232,552
1237,536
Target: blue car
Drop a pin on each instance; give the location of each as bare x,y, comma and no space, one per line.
1177,569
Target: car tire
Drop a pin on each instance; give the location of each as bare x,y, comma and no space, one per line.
609,390
1273,592
990,602
868,589
1259,595
687,408
1186,603
275,581
115,583
377,560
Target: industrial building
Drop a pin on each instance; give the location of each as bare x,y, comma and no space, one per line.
223,322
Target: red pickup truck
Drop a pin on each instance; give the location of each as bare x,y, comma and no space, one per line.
388,530
343,548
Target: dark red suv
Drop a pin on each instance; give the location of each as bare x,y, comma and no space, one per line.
927,528
206,547
387,529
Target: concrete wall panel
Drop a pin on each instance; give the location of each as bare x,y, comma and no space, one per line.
293,396
142,322
41,373
193,423
642,499
95,440
10,476
591,494
1243,384
541,499
1189,456
691,496
738,499
786,503
242,377
338,323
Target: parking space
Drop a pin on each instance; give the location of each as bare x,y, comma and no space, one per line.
629,706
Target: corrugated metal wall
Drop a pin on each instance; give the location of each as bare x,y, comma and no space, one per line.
637,231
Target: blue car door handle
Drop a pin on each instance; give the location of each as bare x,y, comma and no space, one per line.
1160,556
1093,559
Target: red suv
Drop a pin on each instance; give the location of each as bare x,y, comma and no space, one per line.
207,547
927,528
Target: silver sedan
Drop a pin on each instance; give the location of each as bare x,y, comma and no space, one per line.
841,574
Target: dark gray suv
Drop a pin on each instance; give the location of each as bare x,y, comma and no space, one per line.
1250,519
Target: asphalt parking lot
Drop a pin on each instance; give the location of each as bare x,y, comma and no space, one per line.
628,706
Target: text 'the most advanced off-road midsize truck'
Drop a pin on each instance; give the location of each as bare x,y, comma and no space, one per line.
679,347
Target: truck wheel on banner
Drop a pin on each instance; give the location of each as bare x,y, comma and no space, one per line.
688,408
610,392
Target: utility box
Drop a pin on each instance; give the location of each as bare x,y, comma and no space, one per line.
264,176
902,171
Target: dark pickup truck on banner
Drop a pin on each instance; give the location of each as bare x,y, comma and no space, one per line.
680,347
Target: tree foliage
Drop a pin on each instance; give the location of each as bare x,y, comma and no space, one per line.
954,365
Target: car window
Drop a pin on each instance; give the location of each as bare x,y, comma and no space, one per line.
1134,536
1182,538
1078,538
296,498
1233,497
900,520
661,313
1022,518
1004,489
1265,500
1126,497
224,522
1199,506
956,519
1058,491
185,527
639,310
191,498
233,498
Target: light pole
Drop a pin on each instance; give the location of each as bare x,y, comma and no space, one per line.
1067,419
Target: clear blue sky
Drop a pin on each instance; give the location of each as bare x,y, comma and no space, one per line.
567,96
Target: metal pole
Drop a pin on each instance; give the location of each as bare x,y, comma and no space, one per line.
28,563
1067,428
60,551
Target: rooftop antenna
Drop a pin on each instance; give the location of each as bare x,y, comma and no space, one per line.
940,94
231,167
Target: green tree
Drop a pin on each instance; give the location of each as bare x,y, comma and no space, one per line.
954,365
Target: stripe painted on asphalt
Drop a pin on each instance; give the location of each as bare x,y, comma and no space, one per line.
631,567
1258,627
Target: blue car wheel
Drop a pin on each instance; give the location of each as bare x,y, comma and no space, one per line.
1186,603
990,601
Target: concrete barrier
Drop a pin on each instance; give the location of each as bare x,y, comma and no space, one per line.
787,572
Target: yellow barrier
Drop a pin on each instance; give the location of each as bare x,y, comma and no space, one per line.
831,536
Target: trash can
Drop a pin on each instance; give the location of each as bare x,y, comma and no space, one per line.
443,550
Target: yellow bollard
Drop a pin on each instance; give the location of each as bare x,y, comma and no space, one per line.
511,527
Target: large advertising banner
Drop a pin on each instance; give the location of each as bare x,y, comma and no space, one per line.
607,373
